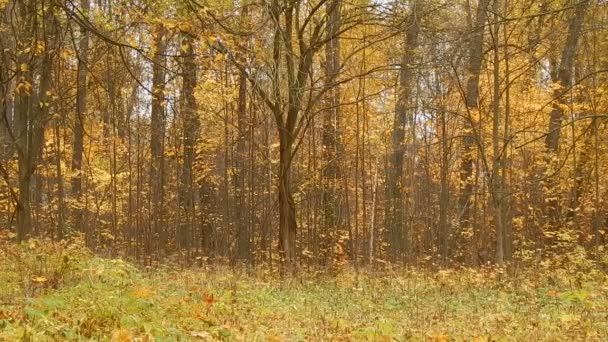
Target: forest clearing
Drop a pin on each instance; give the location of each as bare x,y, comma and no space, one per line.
303,170
50,292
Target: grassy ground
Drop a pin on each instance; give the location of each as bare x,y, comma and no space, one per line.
50,292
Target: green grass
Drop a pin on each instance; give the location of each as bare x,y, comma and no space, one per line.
52,292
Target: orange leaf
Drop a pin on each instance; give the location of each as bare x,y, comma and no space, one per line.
209,299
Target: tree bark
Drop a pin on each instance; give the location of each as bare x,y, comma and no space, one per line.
562,81
395,220
331,133
32,107
157,135
496,180
475,59
190,132
243,228
287,209
81,108
60,191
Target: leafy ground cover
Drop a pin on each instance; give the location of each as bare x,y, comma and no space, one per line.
57,292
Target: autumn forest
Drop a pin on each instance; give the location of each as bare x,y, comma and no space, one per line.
303,170
307,133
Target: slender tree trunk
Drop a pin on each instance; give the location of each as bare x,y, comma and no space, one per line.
60,191
471,101
157,124
22,135
395,220
7,86
243,226
506,207
190,133
243,230
372,220
497,196
331,132
444,192
81,107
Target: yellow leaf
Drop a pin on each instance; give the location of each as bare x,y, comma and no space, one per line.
122,335
39,280
23,67
270,337
438,338
39,48
143,293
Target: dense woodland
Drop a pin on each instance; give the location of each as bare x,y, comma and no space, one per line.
307,133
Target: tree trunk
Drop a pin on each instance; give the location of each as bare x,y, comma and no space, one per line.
190,131
287,209
444,192
505,168
243,234
496,185
60,191
7,86
157,134
32,109
81,107
468,143
243,226
563,81
395,220
331,132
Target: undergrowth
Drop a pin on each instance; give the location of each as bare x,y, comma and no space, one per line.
60,292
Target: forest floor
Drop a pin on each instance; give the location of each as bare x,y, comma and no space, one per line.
52,292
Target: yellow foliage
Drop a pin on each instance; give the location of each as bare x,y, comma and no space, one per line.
122,335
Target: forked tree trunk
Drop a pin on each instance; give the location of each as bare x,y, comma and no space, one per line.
563,81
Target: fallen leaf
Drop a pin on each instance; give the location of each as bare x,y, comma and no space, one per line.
438,338
209,299
122,335
39,280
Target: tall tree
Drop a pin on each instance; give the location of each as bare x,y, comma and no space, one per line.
395,182
157,137
297,37
80,117
243,230
497,146
562,79
190,131
471,98
32,99
331,129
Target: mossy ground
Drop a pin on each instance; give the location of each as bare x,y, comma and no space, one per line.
61,292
